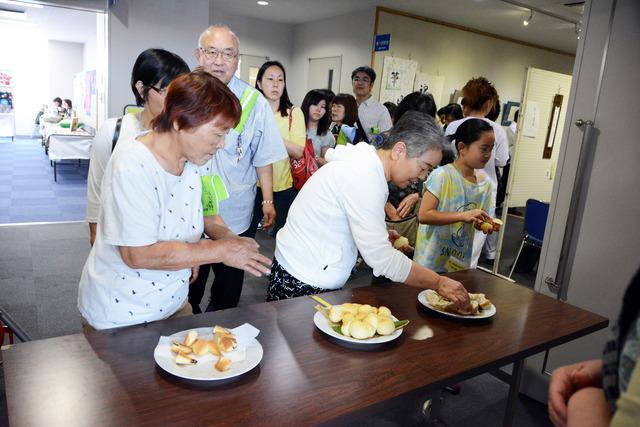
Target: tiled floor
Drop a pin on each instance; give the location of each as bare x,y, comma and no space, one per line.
28,192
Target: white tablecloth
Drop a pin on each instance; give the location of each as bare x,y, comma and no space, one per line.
65,147
7,124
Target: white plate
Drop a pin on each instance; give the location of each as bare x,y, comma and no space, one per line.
323,324
204,370
484,314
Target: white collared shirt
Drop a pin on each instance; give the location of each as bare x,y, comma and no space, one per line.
372,114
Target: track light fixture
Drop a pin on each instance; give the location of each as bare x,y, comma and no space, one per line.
527,20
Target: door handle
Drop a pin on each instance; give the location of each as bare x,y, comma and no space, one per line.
581,123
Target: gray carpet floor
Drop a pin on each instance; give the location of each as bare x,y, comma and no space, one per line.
40,266
28,192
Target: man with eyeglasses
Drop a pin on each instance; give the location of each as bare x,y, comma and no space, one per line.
374,116
250,150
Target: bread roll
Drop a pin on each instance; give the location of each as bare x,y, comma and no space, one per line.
359,330
223,364
385,326
217,329
226,343
344,329
190,338
348,317
366,309
384,311
335,313
176,347
200,347
372,319
184,359
213,347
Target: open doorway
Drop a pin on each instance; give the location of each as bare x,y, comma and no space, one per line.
49,53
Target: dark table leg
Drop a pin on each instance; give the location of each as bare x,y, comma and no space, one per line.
514,390
55,172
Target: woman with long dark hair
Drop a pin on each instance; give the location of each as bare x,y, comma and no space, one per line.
316,118
271,81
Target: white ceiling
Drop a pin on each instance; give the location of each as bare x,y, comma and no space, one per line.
493,16
59,24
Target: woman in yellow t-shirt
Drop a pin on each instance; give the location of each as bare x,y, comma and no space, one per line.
271,81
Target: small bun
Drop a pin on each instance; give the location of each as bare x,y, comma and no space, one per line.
190,338
359,330
385,326
200,347
223,364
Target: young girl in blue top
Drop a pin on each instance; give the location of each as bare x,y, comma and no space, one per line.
457,199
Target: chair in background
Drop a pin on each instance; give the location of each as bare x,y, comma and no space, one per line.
131,109
535,221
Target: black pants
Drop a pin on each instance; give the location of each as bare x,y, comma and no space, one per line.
282,201
225,290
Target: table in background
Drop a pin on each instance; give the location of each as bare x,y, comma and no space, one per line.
8,125
110,378
64,144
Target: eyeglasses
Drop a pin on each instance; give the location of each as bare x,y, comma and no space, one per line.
226,54
361,79
161,92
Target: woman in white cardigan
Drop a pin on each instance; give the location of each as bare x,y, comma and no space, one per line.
340,212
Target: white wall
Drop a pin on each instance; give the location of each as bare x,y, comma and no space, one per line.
142,24
65,60
30,71
258,37
532,176
349,35
459,55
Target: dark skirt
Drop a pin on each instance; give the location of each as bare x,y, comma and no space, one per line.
283,285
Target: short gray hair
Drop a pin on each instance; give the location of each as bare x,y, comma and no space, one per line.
418,131
218,27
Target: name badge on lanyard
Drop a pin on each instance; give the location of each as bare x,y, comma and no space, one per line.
247,102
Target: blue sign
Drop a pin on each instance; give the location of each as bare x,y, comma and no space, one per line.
383,41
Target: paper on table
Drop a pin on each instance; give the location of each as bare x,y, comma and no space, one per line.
245,334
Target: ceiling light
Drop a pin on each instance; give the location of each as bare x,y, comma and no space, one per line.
527,20
21,3
263,3
578,29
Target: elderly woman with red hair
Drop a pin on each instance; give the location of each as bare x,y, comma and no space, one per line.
148,242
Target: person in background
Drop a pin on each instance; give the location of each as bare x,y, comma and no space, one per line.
494,114
479,96
340,211
391,108
329,95
250,150
450,113
401,207
151,220
603,392
67,106
271,81
316,117
57,104
456,200
344,112
152,72
374,116
504,177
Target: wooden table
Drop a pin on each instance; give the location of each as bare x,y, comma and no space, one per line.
109,377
